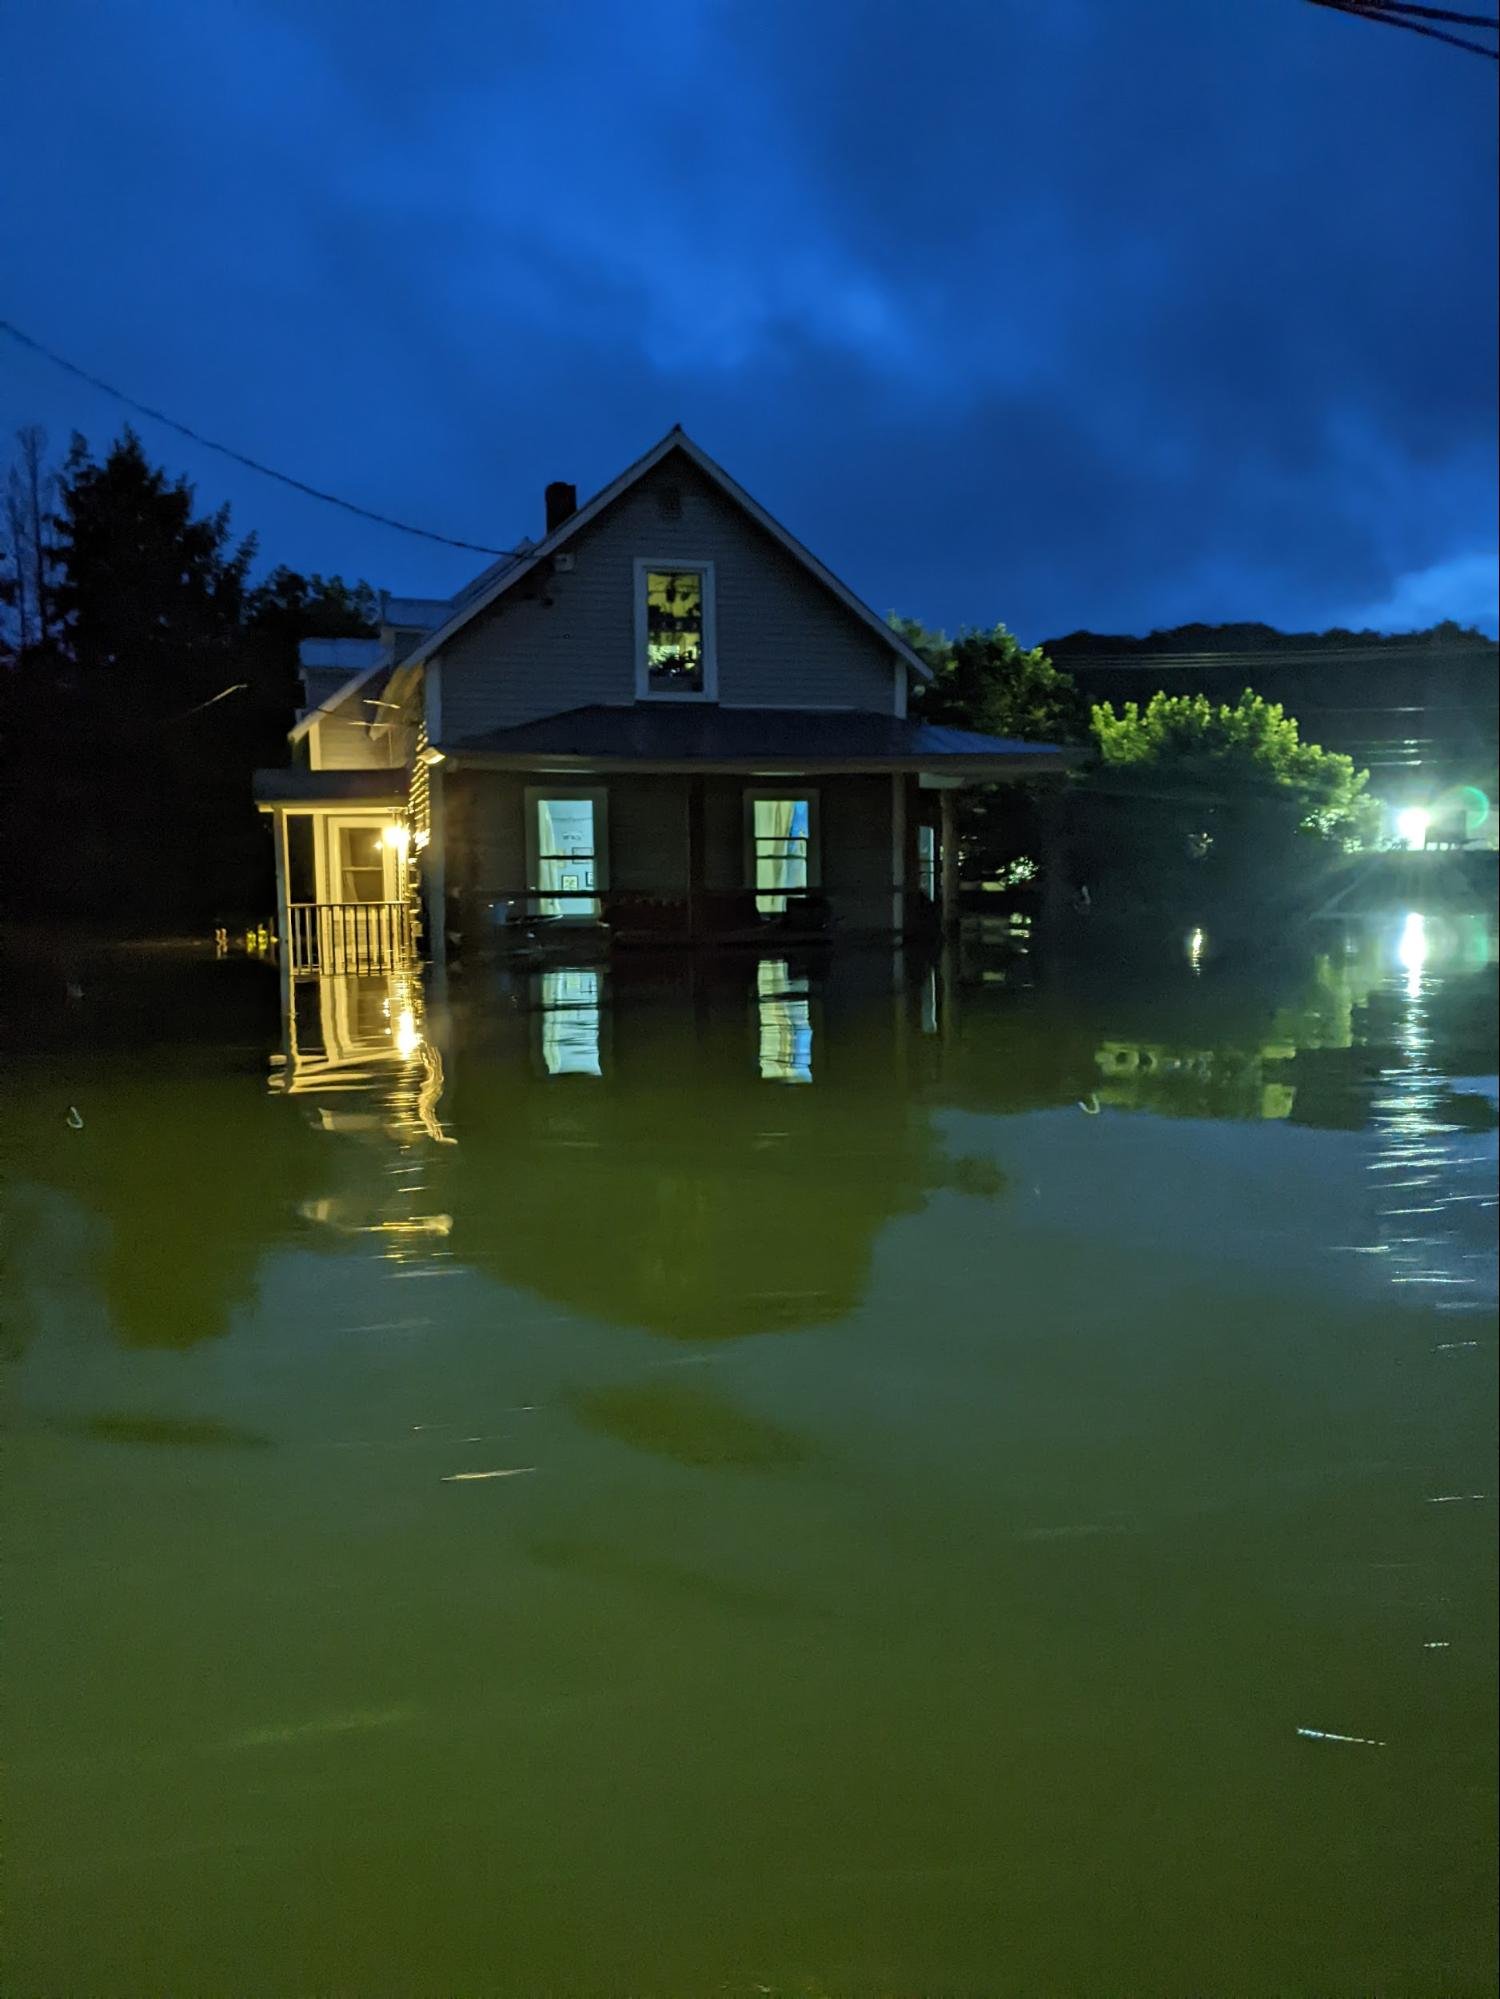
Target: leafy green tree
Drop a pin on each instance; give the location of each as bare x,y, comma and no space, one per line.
990,682
1195,806
1250,751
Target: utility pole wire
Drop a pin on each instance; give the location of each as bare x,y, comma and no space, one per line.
1490,21
1389,20
239,457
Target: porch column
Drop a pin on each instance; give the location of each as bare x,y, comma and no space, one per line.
283,889
696,855
898,852
434,869
949,833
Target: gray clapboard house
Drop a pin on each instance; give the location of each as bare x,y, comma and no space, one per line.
664,720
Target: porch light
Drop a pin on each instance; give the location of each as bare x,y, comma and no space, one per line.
398,839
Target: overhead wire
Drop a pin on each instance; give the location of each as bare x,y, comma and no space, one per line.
239,457
1393,14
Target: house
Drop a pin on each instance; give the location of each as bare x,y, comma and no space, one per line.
664,720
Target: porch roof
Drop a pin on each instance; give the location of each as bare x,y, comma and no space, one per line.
698,734
299,786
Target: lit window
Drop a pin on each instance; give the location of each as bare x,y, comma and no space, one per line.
927,858
781,829
675,630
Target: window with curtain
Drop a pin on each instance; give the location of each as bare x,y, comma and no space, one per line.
567,859
781,830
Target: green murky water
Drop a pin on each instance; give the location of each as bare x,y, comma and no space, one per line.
759,1479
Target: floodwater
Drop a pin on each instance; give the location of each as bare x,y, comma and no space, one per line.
756,1478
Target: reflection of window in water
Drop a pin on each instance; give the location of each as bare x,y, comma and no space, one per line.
570,1023
930,1002
785,1023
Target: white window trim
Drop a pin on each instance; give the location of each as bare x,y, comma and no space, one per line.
644,691
598,795
814,830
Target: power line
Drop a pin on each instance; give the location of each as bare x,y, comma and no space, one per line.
1384,14
239,457
1432,13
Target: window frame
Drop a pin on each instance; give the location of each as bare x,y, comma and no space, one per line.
644,691
598,797
807,792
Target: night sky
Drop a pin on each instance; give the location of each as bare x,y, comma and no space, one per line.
1109,313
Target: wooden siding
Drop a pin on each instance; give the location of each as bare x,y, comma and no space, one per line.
486,844
567,640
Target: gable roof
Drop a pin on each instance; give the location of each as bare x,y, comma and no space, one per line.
471,605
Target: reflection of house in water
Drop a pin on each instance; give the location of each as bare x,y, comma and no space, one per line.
625,1150
359,1039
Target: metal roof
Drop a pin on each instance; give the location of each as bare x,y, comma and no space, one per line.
300,786
702,733
348,655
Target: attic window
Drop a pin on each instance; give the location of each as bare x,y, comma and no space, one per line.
675,630
669,503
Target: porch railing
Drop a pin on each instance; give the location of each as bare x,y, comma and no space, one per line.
349,936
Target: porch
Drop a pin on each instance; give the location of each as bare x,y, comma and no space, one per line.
343,854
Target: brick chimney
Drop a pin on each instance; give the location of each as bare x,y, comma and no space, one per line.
561,500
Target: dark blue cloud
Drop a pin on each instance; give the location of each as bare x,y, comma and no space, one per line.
1066,314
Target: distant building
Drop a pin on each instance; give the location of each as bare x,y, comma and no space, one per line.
1418,710
664,719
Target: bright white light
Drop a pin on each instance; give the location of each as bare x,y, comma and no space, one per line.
1196,941
398,838
1411,826
1412,952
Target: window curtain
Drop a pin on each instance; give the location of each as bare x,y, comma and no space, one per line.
565,858
781,842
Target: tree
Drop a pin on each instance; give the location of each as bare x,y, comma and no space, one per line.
988,681
147,678
1196,801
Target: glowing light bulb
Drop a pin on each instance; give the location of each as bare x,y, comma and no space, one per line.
398,838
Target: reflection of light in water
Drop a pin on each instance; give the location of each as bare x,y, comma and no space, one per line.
1425,1164
785,1023
1195,943
1412,952
408,1041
